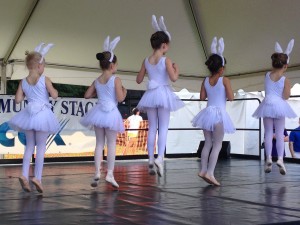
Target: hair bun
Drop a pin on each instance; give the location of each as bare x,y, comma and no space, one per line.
100,56
26,52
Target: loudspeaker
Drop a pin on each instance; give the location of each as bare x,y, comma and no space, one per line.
224,153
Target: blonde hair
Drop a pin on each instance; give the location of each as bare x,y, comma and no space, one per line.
32,59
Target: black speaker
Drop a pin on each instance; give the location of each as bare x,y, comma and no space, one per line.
224,153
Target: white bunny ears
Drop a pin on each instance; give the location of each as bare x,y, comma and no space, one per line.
288,50
160,25
220,49
110,46
43,50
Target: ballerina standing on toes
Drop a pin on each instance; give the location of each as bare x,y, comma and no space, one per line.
214,120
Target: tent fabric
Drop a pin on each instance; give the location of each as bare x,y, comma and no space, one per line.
78,29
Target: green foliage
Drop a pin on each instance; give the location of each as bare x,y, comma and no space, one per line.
64,90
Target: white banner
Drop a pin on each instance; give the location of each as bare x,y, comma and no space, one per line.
71,140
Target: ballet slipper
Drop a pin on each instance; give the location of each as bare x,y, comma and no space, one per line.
151,169
281,166
96,179
37,184
111,180
97,176
212,180
25,184
160,166
202,175
268,166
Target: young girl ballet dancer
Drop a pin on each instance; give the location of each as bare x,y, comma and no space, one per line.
37,120
214,120
159,99
105,117
274,107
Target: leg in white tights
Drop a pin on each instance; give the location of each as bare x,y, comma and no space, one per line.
268,125
279,130
278,124
29,149
111,137
218,135
210,153
163,125
205,152
152,122
98,155
161,117
41,139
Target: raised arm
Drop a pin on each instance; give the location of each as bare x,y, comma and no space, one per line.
19,97
141,75
172,70
287,89
228,89
120,90
90,92
52,91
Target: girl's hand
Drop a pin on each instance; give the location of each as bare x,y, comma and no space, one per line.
175,67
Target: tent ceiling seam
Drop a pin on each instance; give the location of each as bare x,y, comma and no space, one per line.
198,27
20,31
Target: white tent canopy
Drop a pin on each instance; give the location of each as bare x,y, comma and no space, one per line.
78,29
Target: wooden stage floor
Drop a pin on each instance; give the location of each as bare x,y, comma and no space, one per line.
247,195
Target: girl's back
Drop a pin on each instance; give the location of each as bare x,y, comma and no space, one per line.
106,92
37,92
216,94
157,72
274,87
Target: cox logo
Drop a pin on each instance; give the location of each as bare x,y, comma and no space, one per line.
10,142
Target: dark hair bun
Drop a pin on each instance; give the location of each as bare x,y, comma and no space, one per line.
100,56
279,60
214,63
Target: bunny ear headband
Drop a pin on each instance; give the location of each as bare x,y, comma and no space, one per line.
219,51
160,25
288,50
110,46
43,50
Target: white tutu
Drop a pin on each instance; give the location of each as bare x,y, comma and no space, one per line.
212,115
160,97
110,118
36,116
274,107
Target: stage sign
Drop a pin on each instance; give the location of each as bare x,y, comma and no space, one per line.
72,139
